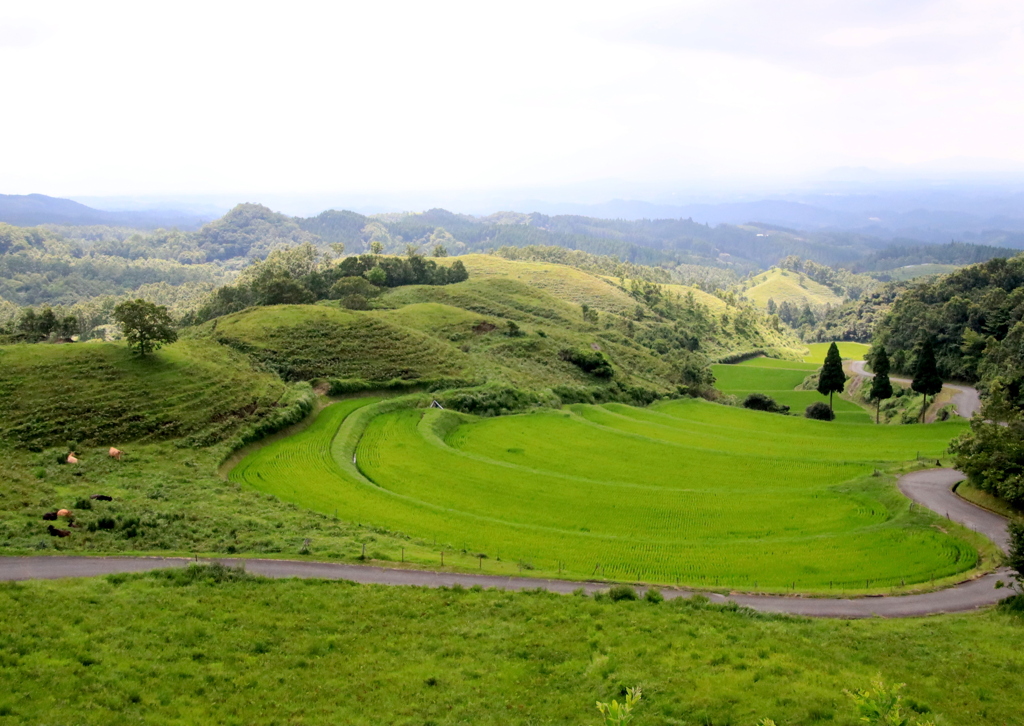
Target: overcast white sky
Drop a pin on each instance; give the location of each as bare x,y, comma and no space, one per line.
103,98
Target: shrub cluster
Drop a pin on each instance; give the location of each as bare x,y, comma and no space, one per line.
819,411
593,362
763,402
341,386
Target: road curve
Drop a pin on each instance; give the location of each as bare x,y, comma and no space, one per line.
965,398
931,488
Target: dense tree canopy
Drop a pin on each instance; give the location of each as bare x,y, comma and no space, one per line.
146,326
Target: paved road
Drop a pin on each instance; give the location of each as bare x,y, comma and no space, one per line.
965,398
931,488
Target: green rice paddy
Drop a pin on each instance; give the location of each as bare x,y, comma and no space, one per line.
779,379
685,491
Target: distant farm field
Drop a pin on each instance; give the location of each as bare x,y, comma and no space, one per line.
848,351
684,491
779,379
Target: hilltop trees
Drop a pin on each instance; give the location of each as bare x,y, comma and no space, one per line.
927,380
301,275
832,379
881,386
146,326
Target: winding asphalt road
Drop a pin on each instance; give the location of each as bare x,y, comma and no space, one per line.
931,488
965,398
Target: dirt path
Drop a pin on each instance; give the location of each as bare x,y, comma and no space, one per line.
931,488
965,398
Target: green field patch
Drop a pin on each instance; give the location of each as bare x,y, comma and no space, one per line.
763,362
675,493
729,378
847,350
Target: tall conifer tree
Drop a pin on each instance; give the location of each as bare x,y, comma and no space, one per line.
831,379
926,375
881,386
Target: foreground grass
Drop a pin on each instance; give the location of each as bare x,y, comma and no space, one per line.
209,647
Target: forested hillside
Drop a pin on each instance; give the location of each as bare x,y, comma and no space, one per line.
83,271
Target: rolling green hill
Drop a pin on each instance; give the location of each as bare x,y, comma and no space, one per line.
99,393
788,286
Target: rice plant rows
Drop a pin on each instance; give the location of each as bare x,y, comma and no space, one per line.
687,492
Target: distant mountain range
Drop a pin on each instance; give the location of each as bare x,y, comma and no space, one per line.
29,210
992,217
925,217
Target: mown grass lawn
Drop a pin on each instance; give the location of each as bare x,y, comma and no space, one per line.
183,648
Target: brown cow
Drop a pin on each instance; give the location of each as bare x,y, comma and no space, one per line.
72,459
115,453
63,512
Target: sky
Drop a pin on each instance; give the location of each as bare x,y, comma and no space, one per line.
106,98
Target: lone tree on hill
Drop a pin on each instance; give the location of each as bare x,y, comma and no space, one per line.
926,375
881,386
147,326
832,379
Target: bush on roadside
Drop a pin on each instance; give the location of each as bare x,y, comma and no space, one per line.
622,592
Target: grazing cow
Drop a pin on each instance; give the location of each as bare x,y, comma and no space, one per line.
50,517
72,459
115,453
101,498
63,512
54,532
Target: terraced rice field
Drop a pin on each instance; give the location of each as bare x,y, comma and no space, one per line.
684,491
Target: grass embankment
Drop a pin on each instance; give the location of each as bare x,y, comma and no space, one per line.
181,647
971,493
688,492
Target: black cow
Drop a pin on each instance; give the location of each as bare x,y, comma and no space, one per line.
101,498
54,532
50,517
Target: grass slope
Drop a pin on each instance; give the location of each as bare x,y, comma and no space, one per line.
454,332
788,286
195,647
100,393
689,491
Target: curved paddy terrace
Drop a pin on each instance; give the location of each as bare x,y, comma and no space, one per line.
683,492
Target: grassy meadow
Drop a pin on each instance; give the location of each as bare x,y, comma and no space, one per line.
208,646
683,492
